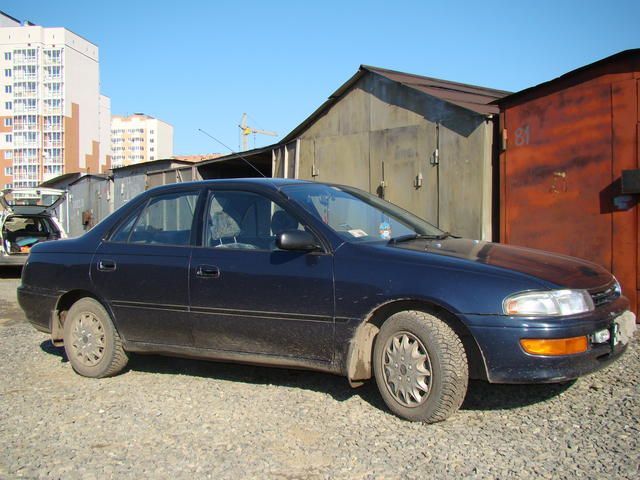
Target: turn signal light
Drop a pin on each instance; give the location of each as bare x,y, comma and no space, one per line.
554,346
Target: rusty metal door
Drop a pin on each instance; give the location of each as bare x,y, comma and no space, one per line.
560,176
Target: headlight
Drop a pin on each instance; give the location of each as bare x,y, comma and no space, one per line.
617,287
549,303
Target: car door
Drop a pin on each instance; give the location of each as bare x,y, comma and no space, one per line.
142,270
247,295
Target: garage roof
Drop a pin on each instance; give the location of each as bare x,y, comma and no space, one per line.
471,97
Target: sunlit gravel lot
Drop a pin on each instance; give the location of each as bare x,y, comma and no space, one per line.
175,418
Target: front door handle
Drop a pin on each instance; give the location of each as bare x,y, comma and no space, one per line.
207,271
106,265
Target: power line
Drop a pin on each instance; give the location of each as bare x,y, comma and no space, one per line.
235,153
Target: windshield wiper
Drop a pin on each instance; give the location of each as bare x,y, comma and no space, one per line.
419,236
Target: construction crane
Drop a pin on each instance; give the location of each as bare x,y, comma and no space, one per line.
246,130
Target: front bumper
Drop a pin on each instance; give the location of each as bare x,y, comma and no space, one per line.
498,338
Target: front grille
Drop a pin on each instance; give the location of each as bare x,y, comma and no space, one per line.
602,297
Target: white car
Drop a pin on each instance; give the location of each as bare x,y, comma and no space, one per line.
27,218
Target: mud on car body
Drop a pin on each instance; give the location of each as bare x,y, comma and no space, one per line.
324,277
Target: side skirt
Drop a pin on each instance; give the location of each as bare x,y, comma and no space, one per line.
233,357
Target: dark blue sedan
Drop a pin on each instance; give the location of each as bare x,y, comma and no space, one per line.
322,277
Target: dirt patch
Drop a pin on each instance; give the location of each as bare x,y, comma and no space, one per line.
10,311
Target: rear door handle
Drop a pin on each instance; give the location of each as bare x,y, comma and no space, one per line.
106,265
207,271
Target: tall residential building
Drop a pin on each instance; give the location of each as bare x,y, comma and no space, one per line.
53,119
139,138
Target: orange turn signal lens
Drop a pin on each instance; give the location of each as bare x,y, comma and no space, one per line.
554,346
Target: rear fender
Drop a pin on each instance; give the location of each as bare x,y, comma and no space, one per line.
64,303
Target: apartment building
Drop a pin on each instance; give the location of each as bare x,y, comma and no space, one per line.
53,119
139,138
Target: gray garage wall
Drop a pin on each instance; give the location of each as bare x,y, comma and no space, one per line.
88,194
383,136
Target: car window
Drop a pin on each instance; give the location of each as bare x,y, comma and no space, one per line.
164,220
245,220
123,232
27,225
357,216
14,224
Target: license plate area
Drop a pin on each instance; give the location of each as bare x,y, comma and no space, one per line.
622,329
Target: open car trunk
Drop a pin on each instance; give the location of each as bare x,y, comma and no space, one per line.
21,232
31,201
26,219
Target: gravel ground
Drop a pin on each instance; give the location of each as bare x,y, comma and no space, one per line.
173,418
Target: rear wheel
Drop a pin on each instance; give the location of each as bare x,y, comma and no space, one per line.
420,367
91,342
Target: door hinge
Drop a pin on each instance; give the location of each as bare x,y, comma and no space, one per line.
435,158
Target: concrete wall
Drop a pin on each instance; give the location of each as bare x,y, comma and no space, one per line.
82,86
163,140
74,103
7,21
105,131
140,138
382,137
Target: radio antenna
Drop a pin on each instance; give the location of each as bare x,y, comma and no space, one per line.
234,153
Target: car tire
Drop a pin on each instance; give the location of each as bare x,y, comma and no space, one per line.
91,341
420,367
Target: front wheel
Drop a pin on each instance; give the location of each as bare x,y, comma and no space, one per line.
420,367
91,342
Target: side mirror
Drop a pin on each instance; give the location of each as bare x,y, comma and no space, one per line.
297,240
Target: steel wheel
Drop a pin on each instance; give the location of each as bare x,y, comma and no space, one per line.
88,340
91,341
407,369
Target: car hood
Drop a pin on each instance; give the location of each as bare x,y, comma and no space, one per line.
562,270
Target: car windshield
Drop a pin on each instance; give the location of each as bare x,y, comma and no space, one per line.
357,216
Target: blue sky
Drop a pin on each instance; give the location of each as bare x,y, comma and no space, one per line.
201,64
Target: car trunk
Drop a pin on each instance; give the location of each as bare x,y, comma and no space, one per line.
21,232
31,201
26,219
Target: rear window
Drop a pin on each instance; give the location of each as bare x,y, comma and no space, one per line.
31,197
27,225
164,220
